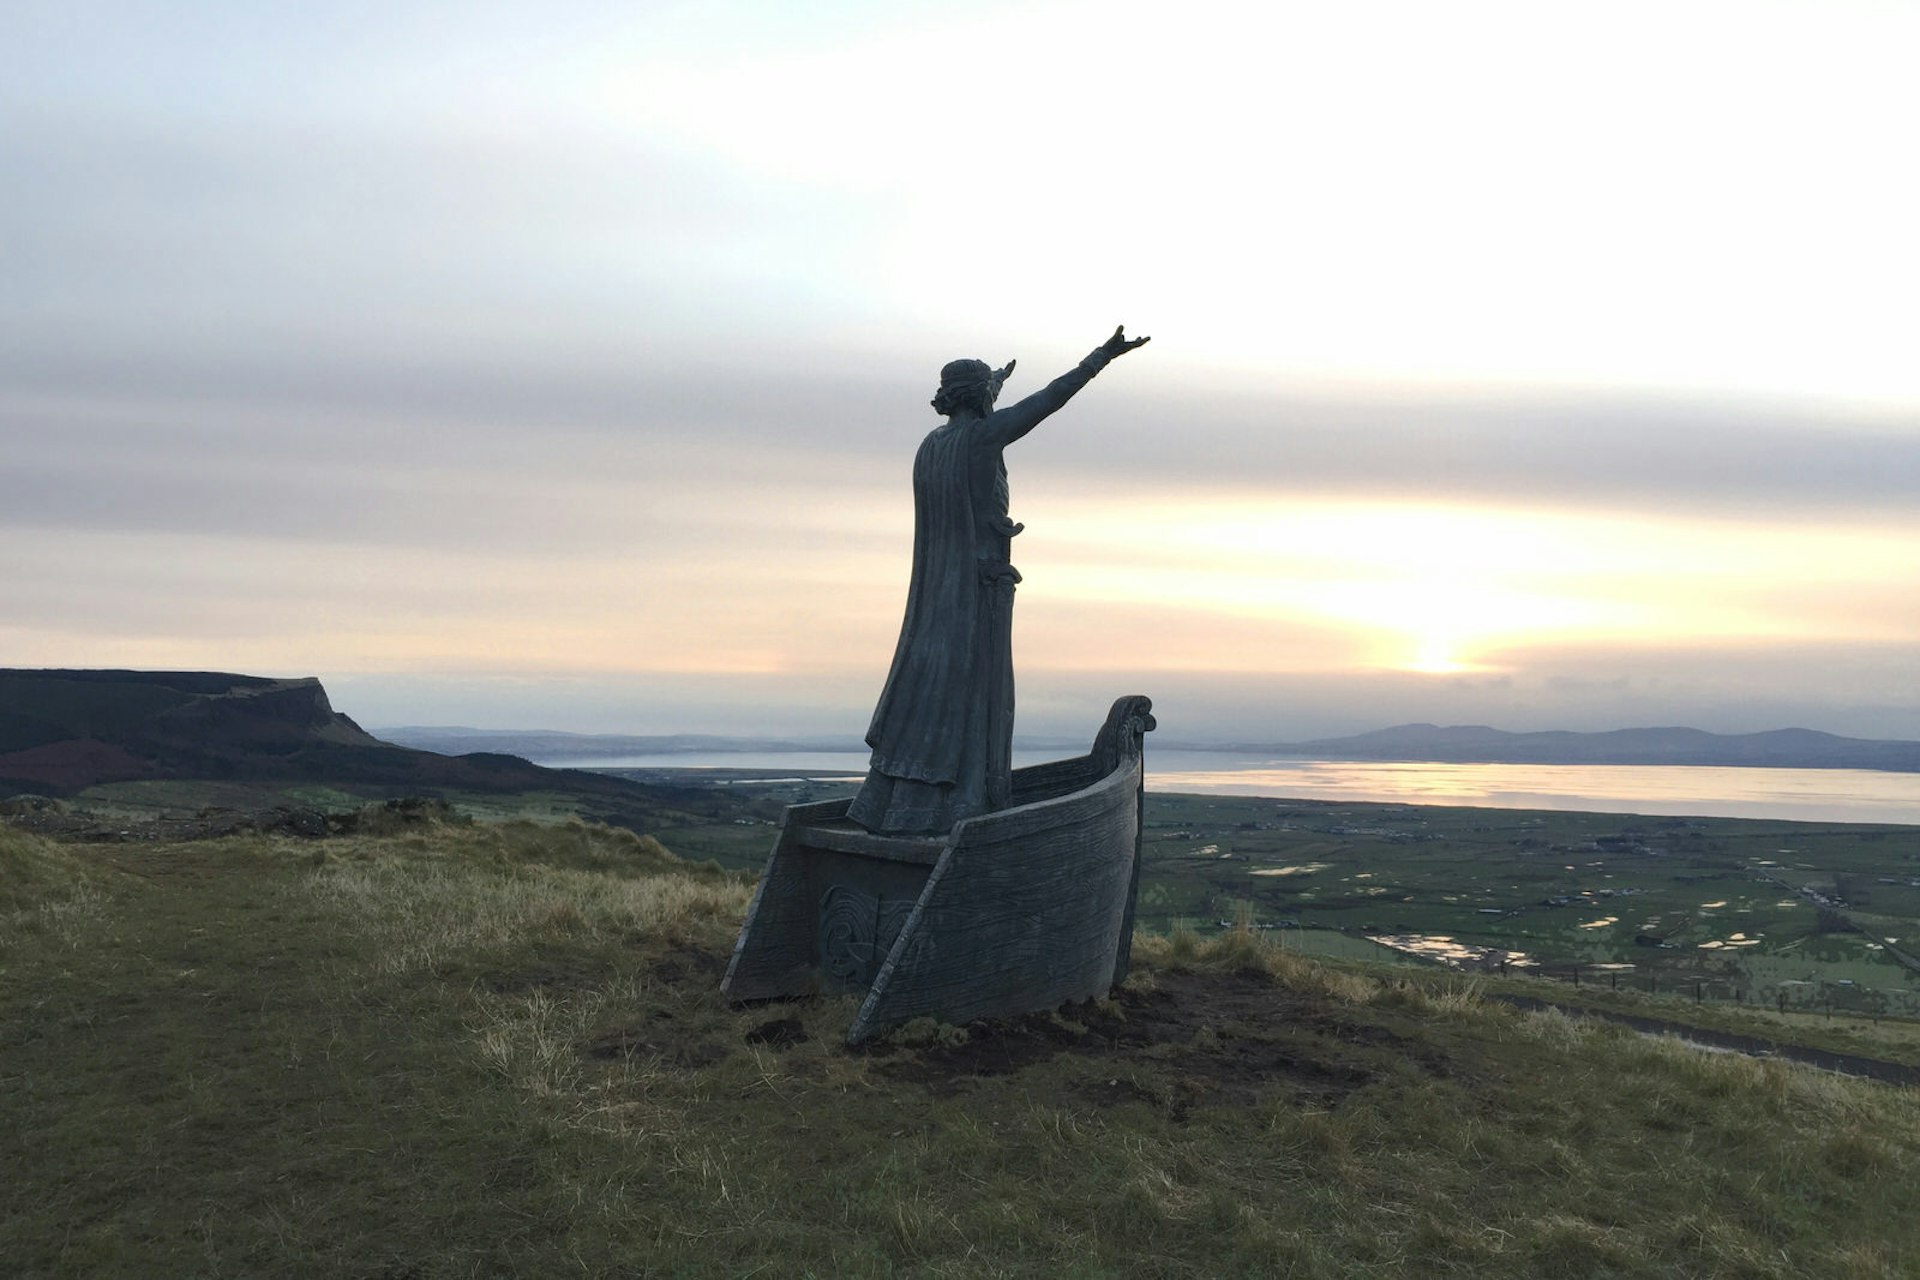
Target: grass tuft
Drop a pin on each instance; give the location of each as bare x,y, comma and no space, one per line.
46,892
33,868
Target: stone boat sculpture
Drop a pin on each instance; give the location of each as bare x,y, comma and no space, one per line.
1018,910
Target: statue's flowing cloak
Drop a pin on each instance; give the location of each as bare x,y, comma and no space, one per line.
929,717
942,731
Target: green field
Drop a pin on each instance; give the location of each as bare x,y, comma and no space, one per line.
1717,907
1713,908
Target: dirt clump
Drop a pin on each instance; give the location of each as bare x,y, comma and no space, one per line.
1188,1039
780,1033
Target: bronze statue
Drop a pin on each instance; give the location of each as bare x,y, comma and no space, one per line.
942,733
953,885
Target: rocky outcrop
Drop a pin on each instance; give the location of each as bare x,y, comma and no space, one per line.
64,730
282,710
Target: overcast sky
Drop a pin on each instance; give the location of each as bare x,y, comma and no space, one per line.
561,366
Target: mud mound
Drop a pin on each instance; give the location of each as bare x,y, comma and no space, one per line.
1190,1039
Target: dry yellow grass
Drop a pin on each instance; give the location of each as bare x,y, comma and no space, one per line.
46,892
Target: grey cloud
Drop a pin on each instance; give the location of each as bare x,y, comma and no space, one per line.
492,456
1191,706
473,456
485,296
146,254
1678,456
409,321
1717,691
225,474
1584,684
1863,689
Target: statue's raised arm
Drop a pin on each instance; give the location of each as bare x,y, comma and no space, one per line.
1014,421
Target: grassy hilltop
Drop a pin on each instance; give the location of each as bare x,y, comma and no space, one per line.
438,1048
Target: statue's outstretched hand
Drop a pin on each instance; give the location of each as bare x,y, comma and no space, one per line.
1119,344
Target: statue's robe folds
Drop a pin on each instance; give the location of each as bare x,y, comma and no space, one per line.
942,733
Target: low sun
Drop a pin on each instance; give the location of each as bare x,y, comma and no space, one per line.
1437,655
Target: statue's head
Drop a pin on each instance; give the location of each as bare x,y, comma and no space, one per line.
964,385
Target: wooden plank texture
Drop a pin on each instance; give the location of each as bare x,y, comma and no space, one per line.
1019,916
1023,909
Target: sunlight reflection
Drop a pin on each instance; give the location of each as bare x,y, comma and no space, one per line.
1446,950
1842,795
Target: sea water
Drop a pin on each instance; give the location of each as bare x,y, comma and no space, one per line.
1800,795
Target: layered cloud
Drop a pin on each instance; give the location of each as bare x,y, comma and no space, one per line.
1508,365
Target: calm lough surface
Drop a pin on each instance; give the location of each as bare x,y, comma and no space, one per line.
1801,795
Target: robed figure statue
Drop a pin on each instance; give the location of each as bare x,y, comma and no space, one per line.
942,734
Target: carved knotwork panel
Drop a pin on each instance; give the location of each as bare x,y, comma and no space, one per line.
857,930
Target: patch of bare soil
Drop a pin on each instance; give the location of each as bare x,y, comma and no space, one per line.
1193,1039
1176,1043
780,1033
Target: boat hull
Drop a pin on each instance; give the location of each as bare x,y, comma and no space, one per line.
1010,912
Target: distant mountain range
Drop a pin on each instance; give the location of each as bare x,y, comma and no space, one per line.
1452,744
62,731
1478,744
